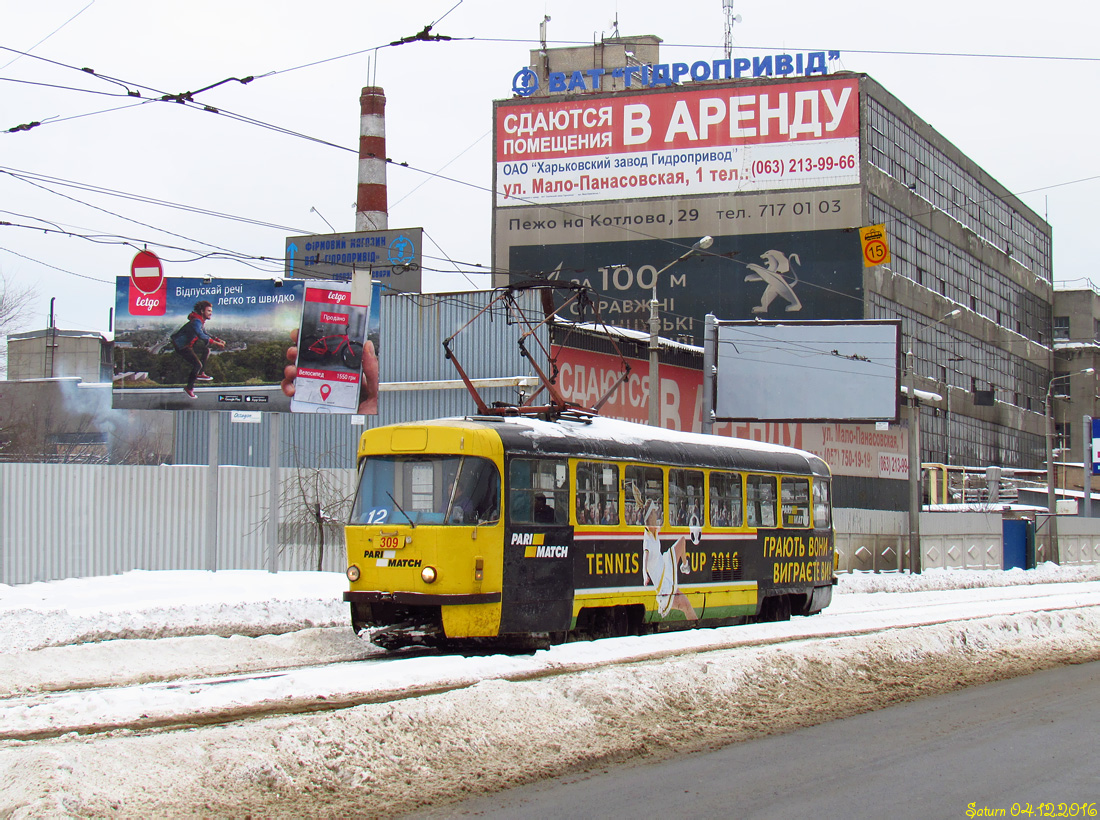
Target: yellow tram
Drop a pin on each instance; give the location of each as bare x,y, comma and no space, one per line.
520,531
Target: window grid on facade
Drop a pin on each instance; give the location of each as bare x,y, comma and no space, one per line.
931,261
977,443
900,152
950,356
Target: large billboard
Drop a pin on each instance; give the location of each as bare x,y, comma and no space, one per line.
609,189
803,275
246,344
700,140
842,371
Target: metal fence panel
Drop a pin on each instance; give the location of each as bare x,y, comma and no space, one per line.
63,521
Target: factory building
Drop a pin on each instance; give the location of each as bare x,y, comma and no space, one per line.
610,164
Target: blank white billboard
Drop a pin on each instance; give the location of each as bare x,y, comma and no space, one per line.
808,371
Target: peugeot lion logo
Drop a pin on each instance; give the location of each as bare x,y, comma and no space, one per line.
777,266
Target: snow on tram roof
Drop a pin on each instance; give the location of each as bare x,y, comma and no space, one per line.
601,428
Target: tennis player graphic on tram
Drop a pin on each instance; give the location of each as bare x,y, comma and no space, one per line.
662,564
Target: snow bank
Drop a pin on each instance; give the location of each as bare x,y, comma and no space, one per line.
387,758
142,604
146,605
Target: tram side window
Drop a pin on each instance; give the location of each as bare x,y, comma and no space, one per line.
685,498
644,503
822,509
796,502
760,497
725,499
539,492
597,493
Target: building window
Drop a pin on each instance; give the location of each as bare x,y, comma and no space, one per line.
1061,327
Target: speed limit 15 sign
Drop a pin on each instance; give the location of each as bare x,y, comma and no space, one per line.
876,248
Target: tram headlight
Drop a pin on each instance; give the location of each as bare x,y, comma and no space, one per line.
352,573
428,575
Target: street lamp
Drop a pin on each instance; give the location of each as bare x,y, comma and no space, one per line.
915,500
655,326
1052,504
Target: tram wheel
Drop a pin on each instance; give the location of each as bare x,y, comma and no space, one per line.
775,608
607,622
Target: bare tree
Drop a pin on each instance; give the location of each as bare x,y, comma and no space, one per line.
15,304
316,503
58,421
316,508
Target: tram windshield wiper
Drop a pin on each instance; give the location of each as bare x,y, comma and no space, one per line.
394,500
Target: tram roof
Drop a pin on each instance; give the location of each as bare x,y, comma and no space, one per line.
601,437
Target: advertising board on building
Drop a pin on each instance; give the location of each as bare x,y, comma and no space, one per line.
246,345
609,189
802,275
392,257
678,142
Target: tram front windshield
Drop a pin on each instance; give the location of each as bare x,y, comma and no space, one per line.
443,490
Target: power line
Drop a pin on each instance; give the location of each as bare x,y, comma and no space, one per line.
138,244
51,34
83,186
791,49
120,216
54,267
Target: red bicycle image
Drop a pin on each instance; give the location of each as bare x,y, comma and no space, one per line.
332,349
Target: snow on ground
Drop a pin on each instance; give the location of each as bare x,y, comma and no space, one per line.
144,604
511,719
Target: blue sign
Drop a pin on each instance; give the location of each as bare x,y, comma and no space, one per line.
392,257
525,82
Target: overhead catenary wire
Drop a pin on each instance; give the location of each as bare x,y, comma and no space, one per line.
51,34
182,98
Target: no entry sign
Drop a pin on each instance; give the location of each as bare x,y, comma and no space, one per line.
147,285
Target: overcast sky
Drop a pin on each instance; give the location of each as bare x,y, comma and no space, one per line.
1030,122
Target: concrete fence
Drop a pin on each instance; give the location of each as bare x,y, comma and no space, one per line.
875,540
65,521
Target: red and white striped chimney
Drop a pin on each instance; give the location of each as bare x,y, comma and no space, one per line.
371,206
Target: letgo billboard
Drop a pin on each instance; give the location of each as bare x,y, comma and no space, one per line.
678,142
227,345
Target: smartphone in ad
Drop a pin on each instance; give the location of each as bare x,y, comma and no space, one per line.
330,351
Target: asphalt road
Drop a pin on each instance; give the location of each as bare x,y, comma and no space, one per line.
1018,743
